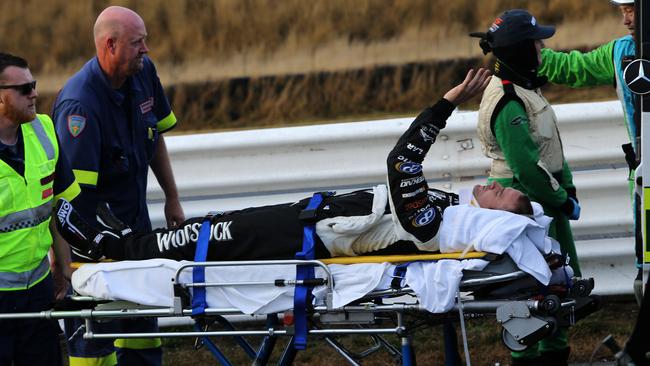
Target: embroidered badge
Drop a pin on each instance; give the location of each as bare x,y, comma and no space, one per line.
146,106
76,124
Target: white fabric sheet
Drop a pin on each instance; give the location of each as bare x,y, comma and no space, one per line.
149,282
464,228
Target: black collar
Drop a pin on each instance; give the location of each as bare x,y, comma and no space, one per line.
528,80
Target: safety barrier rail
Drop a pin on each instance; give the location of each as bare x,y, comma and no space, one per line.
231,170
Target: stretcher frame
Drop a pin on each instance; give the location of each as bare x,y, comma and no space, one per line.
524,322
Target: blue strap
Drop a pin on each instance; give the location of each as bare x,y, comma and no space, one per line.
302,293
198,273
398,275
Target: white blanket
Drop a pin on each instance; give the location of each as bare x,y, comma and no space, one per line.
464,228
150,282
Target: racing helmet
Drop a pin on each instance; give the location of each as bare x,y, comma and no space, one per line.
622,2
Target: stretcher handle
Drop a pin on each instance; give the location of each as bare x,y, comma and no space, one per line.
329,282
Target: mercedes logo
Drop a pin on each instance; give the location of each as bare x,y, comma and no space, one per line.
637,76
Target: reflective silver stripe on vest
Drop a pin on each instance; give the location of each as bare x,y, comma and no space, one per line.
42,138
30,217
22,280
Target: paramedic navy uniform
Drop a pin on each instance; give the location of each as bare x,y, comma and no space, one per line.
109,137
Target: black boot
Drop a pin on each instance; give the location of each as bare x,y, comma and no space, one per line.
84,240
556,358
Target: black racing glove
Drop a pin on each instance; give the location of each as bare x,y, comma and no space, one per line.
571,192
84,240
571,208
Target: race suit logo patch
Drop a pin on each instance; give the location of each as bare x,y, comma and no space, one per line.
437,195
415,149
408,168
76,124
64,211
426,137
424,218
416,204
414,193
219,231
411,181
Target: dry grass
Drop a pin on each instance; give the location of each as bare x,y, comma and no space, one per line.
258,37
360,94
231,64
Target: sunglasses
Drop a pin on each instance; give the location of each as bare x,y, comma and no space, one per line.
24,89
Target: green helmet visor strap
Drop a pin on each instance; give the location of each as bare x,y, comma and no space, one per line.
30,217
21,280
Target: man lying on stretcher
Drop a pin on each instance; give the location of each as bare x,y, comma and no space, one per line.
405,217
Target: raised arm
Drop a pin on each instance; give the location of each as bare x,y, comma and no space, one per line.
577,69
419,217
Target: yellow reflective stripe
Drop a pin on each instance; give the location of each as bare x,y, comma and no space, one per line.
70,193
108,360
166,123
138,343
646,209
86,176
42,270
401,258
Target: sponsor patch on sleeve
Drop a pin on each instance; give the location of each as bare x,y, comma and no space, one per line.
76,124
424,218
408,167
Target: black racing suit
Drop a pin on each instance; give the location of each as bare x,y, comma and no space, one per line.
275,232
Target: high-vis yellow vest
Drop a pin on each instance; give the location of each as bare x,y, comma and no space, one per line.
26,204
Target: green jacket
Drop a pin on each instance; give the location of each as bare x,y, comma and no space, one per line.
522,155
602,66
577,69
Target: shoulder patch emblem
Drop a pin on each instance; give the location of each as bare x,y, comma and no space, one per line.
518,120
76,124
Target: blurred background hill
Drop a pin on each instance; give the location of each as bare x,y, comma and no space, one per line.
231,64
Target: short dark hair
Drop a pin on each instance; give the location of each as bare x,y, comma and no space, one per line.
7,59
524,207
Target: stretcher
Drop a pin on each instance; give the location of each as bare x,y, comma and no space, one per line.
385,297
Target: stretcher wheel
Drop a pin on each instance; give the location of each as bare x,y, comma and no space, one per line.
551,304
510,342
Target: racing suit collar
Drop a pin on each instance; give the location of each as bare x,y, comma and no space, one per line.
529,80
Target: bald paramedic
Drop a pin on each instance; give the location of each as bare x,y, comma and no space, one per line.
110,118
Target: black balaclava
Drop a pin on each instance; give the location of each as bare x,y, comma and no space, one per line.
518,64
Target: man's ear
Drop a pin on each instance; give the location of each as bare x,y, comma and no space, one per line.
110,44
